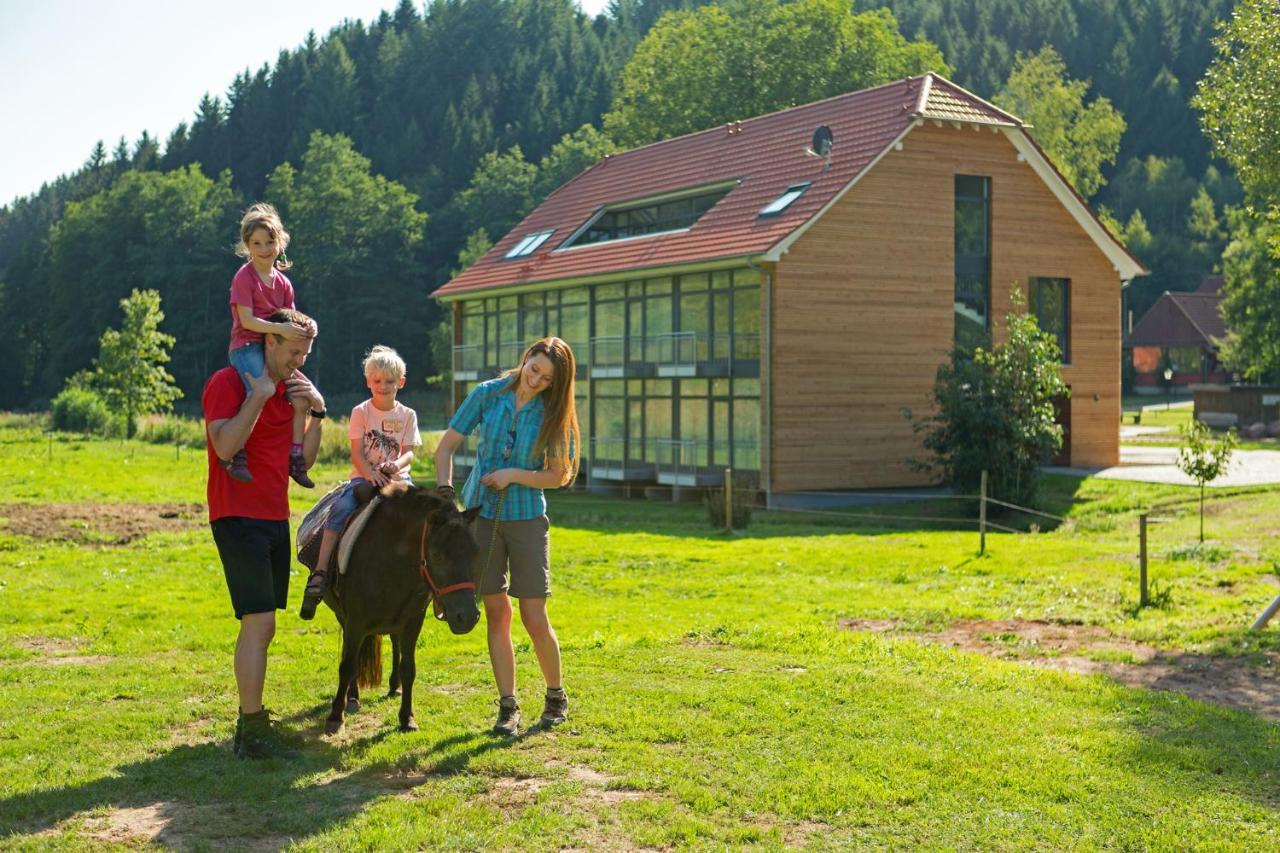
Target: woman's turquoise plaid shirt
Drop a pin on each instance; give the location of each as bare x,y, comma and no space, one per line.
492,407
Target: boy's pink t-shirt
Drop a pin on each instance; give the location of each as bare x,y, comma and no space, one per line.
248,289
384,436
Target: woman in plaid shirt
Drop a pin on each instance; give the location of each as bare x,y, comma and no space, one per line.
528,437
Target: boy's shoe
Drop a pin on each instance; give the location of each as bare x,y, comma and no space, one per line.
238,466
298,471
258,738
508,717
312,595
555,708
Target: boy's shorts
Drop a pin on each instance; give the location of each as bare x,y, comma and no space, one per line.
256,557
522,546
344,505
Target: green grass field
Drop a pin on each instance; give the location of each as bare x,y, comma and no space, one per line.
716,699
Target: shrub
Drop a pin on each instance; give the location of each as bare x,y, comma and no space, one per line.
743,497
81,410
172,429
995,412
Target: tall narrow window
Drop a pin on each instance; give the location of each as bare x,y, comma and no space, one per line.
1051,306
973,261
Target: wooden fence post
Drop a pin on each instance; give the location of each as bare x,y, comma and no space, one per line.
1142,560
982,515
728,499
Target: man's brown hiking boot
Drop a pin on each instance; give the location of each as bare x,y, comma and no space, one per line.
257,737
555,708
508,717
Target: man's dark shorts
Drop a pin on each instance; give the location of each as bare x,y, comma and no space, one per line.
256,557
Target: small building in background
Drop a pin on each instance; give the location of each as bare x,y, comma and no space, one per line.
1179,333
772,295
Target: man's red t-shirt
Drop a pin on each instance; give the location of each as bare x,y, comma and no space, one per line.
267,497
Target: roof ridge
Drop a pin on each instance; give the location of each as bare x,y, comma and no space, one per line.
748,119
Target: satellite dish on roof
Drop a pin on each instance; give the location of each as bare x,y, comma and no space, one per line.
821,146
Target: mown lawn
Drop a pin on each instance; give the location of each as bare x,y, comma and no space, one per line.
715,699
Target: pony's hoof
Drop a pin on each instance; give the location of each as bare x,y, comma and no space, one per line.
409,725
332,727
393,692
353,705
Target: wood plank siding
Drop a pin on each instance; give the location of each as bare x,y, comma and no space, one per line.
862,311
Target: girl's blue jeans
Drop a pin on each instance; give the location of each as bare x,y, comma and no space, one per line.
248,358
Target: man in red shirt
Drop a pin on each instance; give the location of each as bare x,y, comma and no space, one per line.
250,520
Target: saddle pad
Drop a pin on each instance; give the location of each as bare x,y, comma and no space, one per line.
352,532
312,526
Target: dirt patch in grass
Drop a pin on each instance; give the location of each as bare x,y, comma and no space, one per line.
53,651
98,525
176,825
1245,684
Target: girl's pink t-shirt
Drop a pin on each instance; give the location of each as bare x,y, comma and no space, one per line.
247,288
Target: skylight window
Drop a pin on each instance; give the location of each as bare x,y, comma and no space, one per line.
529,244
783,201
661,215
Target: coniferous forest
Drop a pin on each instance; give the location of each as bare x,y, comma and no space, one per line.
396,150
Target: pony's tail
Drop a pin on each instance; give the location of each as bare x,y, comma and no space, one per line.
369,662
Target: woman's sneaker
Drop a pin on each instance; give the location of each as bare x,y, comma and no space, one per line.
555,708
508,717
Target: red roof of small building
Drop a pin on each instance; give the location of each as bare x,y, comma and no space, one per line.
1181,319
764,155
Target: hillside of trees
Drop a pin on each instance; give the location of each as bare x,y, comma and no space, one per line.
398,149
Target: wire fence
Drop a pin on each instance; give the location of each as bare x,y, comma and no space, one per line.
736,498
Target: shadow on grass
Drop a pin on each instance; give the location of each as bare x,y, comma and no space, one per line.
197,796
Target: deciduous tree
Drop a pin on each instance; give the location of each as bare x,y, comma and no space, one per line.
1081,138
129,371
696,69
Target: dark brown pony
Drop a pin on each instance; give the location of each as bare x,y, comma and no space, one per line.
384,590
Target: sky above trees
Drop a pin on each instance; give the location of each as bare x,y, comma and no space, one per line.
81,72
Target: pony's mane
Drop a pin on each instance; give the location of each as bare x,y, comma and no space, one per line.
401,497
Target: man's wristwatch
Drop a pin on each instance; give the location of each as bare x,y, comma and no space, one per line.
320,415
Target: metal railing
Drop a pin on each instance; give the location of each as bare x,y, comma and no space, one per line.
674,349
468,357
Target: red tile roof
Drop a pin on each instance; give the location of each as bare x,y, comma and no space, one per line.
1181,319
765,155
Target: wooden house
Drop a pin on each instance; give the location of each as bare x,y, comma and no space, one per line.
1179,333
738,299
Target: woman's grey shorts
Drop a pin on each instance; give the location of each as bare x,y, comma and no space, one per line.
523,547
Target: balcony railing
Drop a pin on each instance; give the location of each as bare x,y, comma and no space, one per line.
609,462
468,360
674,354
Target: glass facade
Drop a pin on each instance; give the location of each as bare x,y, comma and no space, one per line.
973,261
1051,306
668,383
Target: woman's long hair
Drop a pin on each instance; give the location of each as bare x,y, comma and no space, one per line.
559,441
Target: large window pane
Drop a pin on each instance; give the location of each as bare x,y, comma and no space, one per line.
746,323
972,260
1050,304
746,434
573,328
720,449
